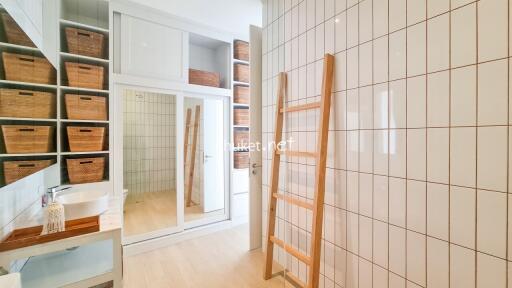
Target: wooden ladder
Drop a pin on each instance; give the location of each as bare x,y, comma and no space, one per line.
317,206
188,125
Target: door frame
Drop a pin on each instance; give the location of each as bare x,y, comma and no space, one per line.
255,162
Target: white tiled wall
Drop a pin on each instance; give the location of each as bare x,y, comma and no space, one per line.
418,166
149,142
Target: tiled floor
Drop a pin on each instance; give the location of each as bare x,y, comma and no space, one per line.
219,260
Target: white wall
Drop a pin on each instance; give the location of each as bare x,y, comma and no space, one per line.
233,16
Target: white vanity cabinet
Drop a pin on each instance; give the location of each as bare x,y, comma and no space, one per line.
152,50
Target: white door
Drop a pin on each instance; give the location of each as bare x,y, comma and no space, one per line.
213,123
255,175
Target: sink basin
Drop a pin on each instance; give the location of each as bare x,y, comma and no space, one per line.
83,204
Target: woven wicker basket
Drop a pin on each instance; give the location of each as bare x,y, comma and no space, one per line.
14,33
15,170
26,104
241,95
84,42
240,116
242,73
241,160
85,170
85,75
26,68
241,50
241,138
204,78
86,139
85,107
27,139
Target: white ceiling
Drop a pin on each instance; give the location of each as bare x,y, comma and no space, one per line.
233,16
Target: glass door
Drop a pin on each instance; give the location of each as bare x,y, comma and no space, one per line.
205,160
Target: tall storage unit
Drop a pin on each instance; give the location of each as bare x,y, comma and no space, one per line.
241,97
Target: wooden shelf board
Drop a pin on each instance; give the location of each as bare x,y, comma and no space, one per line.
70,23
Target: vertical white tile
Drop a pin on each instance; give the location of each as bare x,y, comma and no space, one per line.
416,11
438,43
462,267
365,194
380,106
353,233
437,211
458,3
365,21
491,272
365,64
330,26
366,151
352,109
463,156
397,154
397,54
417,154
320,41
463,216
380,18
329,9
365,237
340,260
353,191
416,206
310,14
463,96
493,93
416,258
380,243
396,281
416,102
380,277
319,11
340,74
492,163
365,274
397,250
492,223
416,49
352,26
341,31
438,263
340,5
353,68
397,104
463,36
438,148
311,46
397,14
380,60
380,152
492,29
352,270
397,201
366,107
380,198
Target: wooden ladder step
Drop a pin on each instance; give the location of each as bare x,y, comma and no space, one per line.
302,107
298,153
294,201
302,257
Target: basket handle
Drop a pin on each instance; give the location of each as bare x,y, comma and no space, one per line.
26,59
26,93
85,98
85,130
26,165
86,162
26,129
84,34
84,67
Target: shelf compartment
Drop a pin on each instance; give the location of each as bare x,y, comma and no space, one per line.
64,137
207,54
52,157
84,163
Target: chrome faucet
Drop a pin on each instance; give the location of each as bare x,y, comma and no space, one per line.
50,194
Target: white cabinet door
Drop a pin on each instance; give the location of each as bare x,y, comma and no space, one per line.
151,50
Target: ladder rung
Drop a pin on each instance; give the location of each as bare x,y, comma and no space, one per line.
302,107
298,153
294,201
304,258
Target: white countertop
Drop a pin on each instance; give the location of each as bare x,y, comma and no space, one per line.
10,281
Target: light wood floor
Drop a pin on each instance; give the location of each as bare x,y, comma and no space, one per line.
219,260
155,211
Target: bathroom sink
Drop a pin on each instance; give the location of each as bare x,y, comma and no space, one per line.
83,204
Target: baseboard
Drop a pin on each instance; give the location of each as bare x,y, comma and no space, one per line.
164,241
